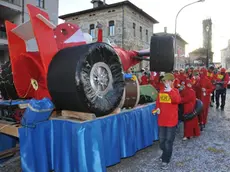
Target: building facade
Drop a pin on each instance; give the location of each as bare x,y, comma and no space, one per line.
225,57
124,24
180,60
16,12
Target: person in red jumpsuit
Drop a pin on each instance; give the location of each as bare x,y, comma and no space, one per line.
144,79
189,73
167,109
188,99
222,79
211,76
182,77
151,78
155,81
204,88
195,81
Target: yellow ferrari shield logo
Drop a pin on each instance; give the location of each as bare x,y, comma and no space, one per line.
220,76
34,83
164,98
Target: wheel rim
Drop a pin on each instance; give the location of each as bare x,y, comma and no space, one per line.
101,78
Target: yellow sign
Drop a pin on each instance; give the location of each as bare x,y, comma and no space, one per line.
34,83
210,74
134,78
220,76
164,98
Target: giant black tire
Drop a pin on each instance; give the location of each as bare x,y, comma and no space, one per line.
7,87
162,53
75,80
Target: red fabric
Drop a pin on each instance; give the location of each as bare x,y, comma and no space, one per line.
223,70
168,116
176,83
195,86
144,80
26,67
100,35
204,95
188,98
182,77
212,77
155,82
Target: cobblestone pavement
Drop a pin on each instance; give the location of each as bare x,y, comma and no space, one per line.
208,153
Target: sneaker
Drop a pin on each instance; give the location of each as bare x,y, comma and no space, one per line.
185,138
164,166
201,127
217,107
160,159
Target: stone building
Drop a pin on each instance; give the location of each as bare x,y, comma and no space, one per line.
225,57
180,54
16,12
124,24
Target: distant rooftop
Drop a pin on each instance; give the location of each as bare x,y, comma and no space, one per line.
165,33
107,6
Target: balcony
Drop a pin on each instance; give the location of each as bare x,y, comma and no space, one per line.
3,39
14,5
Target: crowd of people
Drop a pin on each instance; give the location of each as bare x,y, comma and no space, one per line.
181,89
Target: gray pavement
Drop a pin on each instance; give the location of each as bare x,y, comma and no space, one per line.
208,153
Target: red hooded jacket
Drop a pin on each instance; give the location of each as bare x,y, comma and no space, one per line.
168,102
204,83
223,77
188,98
144,80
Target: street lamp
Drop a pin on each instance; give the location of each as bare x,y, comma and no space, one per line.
207,59
175,43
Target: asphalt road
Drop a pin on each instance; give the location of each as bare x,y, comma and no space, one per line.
208,153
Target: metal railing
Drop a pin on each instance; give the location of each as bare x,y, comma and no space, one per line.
15,2
2,35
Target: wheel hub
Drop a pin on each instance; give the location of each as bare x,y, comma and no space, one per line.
101,78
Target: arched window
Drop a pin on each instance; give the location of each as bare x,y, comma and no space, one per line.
111,28
92,30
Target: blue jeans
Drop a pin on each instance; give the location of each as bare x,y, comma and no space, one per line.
167,137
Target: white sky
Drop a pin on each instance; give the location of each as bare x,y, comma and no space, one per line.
189,21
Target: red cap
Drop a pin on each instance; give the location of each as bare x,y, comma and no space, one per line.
223,70
188,81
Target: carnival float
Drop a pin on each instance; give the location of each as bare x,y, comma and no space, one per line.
75,74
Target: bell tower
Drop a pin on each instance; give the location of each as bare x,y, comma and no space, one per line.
207,37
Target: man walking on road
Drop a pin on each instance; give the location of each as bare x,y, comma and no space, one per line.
167,108
222,80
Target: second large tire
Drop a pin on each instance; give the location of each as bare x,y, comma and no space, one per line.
86,78
7,87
